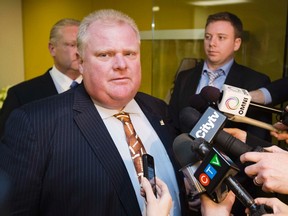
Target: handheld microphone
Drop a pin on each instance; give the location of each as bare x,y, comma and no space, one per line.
217,170
209,127
189,161
228,102
207,169
230,99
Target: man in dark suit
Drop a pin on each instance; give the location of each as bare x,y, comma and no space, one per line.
223,37
70,155
62,47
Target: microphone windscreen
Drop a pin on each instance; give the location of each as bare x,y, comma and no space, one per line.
182,148
188,117
211,94
198,102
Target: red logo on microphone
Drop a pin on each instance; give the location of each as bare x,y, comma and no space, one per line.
204,179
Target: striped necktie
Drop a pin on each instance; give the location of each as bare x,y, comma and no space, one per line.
213,76
136,146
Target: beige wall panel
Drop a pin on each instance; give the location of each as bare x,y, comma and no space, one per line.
11,43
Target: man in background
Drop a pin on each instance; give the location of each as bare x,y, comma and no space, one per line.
62,47
223,37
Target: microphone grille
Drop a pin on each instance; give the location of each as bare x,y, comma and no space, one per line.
211,94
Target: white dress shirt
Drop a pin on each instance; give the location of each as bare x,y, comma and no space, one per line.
61,81
153,146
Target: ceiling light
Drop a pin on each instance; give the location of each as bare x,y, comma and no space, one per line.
155,8
217,2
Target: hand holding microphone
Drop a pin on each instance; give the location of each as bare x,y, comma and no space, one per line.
209,207
214,173
269,168
233,102
209,127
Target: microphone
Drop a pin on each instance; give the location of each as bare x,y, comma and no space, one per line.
189,161
233,100
213,174
217,170
229,103
209,127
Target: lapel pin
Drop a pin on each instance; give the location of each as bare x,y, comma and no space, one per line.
162,122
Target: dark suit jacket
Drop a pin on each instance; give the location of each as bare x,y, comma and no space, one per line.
64,161
278,90
240,76
25,92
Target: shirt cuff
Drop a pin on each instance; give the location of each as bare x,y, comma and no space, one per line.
267,96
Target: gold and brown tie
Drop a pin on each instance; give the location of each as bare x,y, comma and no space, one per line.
136,146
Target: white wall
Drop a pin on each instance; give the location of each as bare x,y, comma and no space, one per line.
11,43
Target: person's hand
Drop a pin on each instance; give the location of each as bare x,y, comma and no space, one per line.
237,133
193,202
279,208
161,205
269,169
282,133
209,207
257,96
280,136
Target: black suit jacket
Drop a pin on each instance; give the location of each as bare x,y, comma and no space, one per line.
240,76
25,92
64,161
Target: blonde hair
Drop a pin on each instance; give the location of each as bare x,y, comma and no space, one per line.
105,16
55,31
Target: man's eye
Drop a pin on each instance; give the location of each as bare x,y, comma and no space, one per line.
207,37
102,55
70,44
222,38
130,54
105,55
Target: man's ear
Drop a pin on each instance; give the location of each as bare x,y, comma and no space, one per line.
237,44
80,62
51,48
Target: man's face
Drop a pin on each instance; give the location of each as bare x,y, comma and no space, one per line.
110,64
65,49
220,43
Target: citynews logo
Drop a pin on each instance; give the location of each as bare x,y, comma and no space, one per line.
209,172
208,125
204,129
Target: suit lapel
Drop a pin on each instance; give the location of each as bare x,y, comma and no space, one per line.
48,84
235,76
158,123
101,143
195,79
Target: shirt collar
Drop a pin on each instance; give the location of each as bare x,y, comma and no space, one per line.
61,79
225,68
132,108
